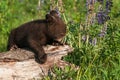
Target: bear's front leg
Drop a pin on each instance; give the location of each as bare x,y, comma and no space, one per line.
37,48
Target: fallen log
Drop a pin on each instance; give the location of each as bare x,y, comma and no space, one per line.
21,65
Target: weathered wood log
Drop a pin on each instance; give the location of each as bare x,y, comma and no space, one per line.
21,65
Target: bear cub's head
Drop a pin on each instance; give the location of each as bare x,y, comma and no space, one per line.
56,26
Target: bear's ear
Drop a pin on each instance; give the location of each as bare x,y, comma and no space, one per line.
50,18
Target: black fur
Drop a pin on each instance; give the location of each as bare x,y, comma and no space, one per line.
35,34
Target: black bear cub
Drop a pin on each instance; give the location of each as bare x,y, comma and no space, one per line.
35,34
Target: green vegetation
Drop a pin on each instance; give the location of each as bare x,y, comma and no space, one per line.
97,62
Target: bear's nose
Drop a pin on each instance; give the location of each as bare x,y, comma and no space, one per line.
62,34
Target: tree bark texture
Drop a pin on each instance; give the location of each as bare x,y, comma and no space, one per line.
20,64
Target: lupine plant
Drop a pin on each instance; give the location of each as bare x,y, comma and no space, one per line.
101,16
